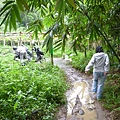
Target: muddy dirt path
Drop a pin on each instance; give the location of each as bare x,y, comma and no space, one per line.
80,105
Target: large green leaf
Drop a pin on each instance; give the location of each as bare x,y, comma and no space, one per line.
13,19
5,9
6,25
17,13
50,45
58,7
72,3
7,5
35,27
6,17
10,23
63,42
20,5
24,3
46,41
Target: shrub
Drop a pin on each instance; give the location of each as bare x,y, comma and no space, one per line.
34,91
111,95
80,61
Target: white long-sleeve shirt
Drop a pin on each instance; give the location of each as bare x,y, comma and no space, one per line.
21,49
99,62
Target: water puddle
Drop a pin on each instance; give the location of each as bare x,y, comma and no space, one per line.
80,104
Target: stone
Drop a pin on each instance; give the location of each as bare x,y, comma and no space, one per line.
81,112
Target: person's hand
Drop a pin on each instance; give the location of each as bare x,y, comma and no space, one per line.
105,73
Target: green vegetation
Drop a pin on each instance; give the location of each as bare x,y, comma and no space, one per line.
30,89
33,91
80,24
111,96
80,61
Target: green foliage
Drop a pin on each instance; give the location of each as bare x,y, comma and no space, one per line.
12,13
57,53
80,61
33,91
36,27
79,20
111,95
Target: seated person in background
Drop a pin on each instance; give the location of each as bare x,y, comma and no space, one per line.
20,53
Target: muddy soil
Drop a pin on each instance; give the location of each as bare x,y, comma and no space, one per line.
79,107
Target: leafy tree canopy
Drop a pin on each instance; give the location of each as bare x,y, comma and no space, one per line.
80,22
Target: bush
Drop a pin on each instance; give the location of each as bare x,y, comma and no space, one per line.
34,91
80,61
111,95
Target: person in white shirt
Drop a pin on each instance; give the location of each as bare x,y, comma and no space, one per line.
101,66
20,53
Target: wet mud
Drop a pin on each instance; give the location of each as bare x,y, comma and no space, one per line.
80,104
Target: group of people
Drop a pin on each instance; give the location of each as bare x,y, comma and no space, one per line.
22,53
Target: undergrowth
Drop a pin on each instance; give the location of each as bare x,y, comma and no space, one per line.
30,92
111,95
80,61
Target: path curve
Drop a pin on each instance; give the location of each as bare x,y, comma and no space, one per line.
75,78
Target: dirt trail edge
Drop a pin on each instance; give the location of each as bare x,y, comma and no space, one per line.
80,105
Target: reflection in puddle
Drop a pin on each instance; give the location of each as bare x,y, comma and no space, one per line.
80,104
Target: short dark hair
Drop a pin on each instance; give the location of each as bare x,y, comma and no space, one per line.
14,48
99,49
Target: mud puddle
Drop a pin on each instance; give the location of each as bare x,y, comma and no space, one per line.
80,105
